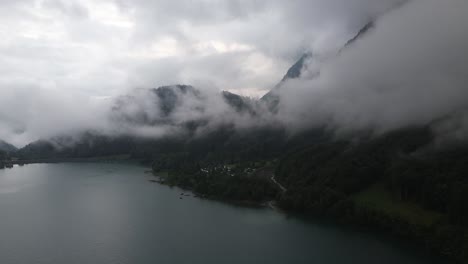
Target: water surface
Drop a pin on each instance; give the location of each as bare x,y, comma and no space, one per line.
110,214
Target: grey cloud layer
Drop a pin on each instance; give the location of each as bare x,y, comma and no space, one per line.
410,70
62,61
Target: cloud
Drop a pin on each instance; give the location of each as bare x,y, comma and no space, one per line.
410,70
29,114
59,59
183,110
97,46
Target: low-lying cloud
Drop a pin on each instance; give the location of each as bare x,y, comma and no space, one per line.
31,114
410,69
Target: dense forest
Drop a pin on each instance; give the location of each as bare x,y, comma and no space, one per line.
399,182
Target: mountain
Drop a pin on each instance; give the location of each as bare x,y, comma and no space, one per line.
7,147
362,32
296,70
160,107
41,149
171,96
271,99
84,145
155,106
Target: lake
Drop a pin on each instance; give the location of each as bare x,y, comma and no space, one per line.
111,214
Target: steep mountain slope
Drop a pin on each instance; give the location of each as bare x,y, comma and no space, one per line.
272,99
399,182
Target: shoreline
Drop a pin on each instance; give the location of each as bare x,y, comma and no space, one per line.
271,204
425,239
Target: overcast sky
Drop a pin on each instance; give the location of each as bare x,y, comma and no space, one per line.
62,61
101,47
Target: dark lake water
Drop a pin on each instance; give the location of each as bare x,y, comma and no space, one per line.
109,213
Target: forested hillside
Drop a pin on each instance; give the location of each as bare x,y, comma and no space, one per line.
398,182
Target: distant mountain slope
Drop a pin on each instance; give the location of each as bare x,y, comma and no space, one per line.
271,98
7,147
83,145
296,70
